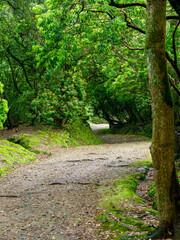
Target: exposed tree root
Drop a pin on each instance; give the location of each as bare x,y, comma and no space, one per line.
9,196
160,234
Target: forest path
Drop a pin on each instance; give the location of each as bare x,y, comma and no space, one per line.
56,197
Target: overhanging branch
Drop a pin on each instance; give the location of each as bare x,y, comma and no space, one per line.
131,48
125,5
172,82
132,25
98,11
174,65
172,17
11,5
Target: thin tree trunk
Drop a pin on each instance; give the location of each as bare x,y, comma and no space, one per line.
162,148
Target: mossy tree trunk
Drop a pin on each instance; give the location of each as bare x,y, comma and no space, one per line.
162,148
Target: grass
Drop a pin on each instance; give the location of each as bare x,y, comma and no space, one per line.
12,155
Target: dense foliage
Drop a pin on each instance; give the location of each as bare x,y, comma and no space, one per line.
3,108
64,59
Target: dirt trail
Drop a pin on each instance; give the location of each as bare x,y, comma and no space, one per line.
56,197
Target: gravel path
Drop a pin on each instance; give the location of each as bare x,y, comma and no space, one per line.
96,127
56,197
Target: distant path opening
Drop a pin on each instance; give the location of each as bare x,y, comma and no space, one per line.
96,127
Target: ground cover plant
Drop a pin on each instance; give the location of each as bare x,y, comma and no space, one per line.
124,211
13,155
23,144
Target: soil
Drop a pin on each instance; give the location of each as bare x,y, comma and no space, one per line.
56,197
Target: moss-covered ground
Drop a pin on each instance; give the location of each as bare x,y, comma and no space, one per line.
12,155
72,134
138,129
23,147
81,134
122,211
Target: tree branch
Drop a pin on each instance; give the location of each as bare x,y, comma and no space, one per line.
136,28
77,19
117,5
22,65
131,48
98,11
172,17
83,6
11,5
171,61
133,26
172,82
16,39
13,77
175,4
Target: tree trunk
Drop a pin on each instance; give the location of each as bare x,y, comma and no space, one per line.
177,125
162,148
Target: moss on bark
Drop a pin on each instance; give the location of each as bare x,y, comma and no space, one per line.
162,148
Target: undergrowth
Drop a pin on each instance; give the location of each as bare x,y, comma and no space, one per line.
141,129
21,148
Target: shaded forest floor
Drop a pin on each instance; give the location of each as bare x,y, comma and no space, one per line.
61,196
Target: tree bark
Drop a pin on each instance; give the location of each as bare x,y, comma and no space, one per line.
162,148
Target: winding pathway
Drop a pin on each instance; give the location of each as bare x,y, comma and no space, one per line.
56,197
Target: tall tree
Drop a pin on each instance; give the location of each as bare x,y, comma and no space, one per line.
162,148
